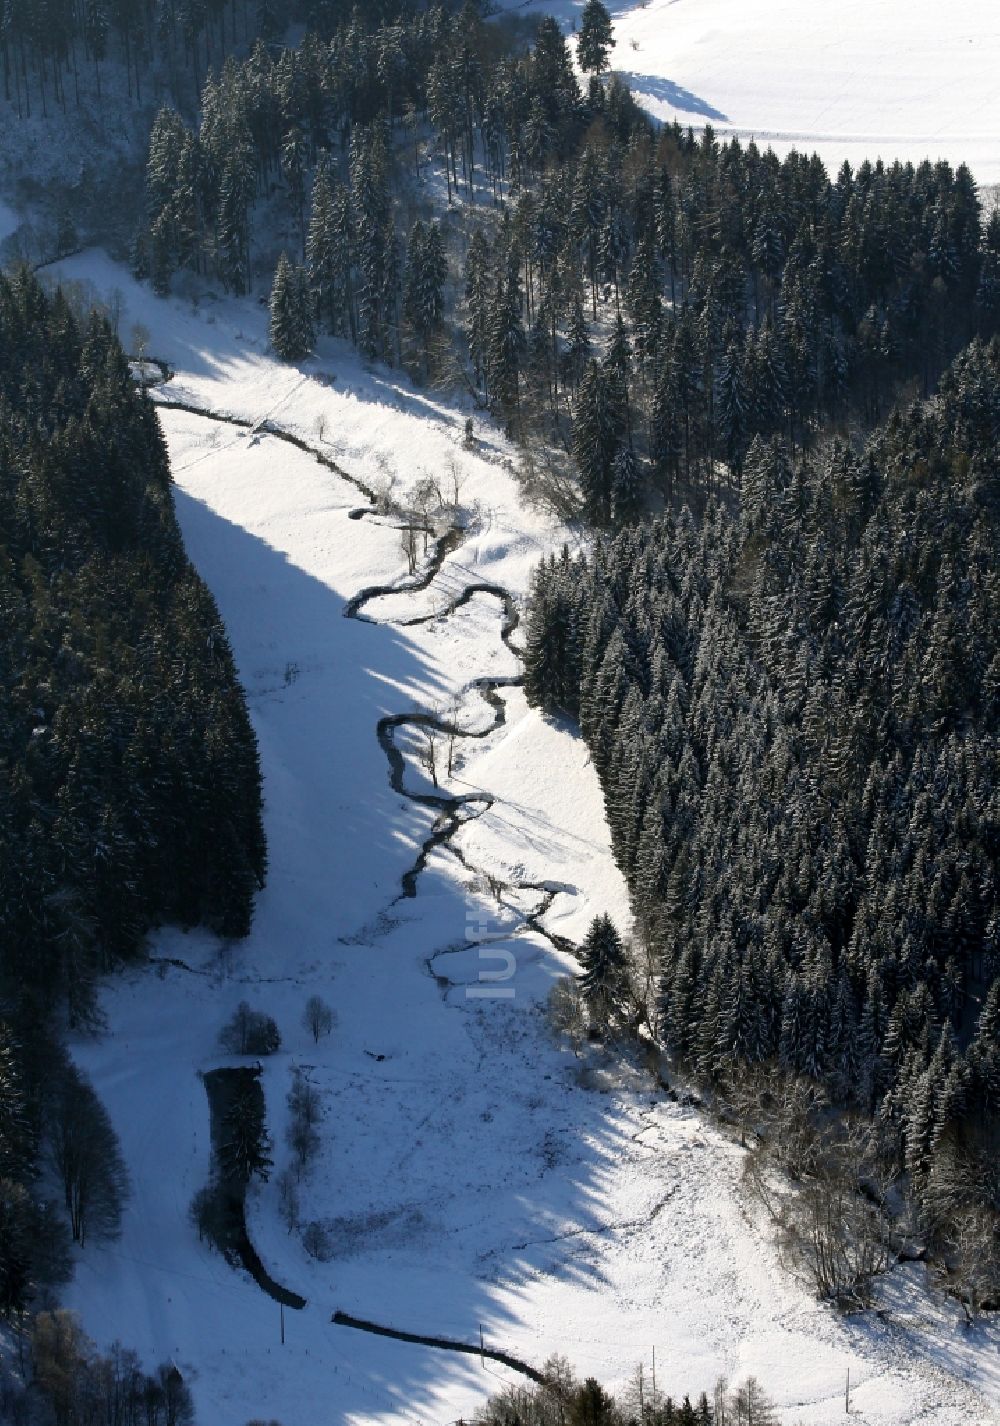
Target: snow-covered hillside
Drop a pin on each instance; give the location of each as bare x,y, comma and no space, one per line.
853,79
471,1172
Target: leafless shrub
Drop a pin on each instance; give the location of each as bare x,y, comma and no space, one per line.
566,1013
642,981
288,1199
961,1215
547,481
832,1222
975,1277
250,1032
305,1111
316,1241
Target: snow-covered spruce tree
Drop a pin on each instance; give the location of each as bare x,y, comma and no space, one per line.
626,486
95,34
232,224
506,343
553,636
587,212
165,143
578,345
730,682
161,256
186,205
478,295
598,425
596,38
344,251
328,253
291,321
375,245
423,287
696,253
294,158
644,303
605,971
731,406
245,1149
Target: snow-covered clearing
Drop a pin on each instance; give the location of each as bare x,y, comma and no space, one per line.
471,1172
896,79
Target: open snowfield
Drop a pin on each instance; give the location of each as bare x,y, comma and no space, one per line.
855,79
471,1172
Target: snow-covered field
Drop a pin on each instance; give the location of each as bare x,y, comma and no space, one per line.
472,1173
855,79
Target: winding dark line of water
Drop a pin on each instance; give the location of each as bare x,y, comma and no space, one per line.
455,811
267,429
445,1344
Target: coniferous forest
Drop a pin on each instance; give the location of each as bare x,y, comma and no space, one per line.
792,707
643,300
129,774
130,768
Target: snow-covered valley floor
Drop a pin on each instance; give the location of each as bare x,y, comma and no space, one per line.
854,80
472,1173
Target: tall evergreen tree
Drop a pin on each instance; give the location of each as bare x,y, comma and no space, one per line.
596,38
598,424
291,326
604,977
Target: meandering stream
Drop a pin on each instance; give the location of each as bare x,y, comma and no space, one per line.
453,811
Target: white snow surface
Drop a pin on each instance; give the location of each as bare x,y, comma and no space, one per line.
472,1172
854,80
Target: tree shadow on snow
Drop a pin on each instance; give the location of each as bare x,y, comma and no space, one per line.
673,94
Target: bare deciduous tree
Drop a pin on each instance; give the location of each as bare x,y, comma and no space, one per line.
318,1017
429,753
408,539
78,1384
140,339
305,1111
426,501
451,720
749,1405
84,1151
453,481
